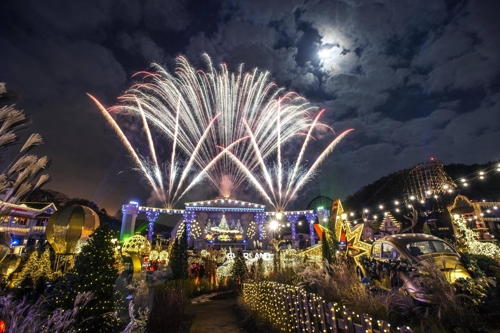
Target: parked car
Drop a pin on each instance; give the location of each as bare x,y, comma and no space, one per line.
413,249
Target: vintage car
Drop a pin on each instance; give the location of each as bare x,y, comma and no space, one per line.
413,249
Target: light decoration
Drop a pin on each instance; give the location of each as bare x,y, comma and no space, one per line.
68,226
224,238
468,239
152,216
260,218
293,218
238,227
189,217
196,229
311,218
251,230
351,237
154,255
136,244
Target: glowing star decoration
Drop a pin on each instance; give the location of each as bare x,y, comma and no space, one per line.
344,233
336,217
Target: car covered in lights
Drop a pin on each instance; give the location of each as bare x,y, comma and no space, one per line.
398,256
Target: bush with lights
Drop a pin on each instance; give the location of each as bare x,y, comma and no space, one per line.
37,270
95,272
239,271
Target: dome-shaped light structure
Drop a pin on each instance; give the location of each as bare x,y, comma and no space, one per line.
69,225
136,244
135,247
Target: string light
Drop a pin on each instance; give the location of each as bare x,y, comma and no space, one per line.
291,309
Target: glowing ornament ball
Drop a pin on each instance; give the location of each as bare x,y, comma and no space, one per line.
69,226
2,326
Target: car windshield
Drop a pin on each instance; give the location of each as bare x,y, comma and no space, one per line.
428,246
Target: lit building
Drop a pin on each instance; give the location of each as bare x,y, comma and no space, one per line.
26,222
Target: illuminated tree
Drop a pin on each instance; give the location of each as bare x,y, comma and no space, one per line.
179,261
38,267
467,239
94,271
120,266
327,246
239,271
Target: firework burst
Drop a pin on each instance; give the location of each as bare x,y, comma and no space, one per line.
170,181
278,181
202,113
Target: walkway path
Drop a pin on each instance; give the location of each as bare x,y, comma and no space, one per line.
214,316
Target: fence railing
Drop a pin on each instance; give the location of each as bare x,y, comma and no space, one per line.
292,309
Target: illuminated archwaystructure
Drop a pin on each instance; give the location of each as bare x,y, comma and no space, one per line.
211,212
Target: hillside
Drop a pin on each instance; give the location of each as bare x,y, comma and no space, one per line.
487,188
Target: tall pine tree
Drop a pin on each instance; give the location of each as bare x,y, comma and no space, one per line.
94,271
179,257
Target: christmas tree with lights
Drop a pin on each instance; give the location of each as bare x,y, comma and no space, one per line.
37,270
95,272
239,272
223,224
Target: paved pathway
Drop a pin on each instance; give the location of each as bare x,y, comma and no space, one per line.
214,316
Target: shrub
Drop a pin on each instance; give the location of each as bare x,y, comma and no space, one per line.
168,309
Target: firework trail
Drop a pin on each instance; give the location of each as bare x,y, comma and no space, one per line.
268,179
202,111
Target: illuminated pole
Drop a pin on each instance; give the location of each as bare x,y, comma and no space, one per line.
311,218
151,215
259,219
189,217
293,218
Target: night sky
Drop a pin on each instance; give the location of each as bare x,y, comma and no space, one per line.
415,79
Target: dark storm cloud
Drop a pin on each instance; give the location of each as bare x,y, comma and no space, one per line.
414,78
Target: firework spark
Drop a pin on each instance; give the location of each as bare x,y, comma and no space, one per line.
167,173
279,181
201,111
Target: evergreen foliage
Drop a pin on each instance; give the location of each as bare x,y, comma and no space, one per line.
37,269
327,248
239,271
95,272
179,261
426,229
